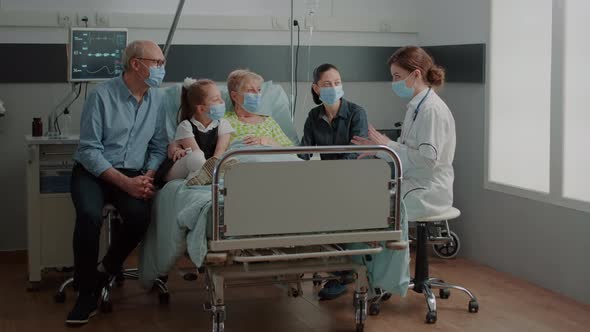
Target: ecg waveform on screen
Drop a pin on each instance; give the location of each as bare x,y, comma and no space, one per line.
97,54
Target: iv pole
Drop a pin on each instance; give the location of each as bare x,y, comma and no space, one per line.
173,27
291,101
173,30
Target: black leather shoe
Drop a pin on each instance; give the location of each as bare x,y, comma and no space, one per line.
85,307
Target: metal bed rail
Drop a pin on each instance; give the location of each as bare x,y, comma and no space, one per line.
395,183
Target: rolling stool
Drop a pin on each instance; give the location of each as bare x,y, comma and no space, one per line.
422,283
110,215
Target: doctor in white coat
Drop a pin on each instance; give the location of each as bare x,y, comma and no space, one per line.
426,145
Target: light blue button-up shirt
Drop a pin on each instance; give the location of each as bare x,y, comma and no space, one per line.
117,131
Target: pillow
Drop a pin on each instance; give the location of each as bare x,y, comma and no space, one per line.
274,103
170,105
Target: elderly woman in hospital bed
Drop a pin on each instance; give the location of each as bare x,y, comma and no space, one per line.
251,127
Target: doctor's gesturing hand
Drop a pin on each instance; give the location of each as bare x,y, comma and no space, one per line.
375,138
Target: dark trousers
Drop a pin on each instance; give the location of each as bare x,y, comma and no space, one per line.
90,194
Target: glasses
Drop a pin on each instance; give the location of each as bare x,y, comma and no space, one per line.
159,63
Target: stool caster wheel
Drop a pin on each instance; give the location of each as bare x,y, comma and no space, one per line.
294,292
106,307
374,309
431,317
360,327
59,297
317,279
473,306
164,298
444,293
448,250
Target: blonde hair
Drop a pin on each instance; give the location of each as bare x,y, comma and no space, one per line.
236,79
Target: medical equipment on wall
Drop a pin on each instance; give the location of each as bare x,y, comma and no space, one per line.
95,53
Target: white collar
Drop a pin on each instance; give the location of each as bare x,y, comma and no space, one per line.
201,127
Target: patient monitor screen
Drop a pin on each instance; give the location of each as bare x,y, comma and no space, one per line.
95,54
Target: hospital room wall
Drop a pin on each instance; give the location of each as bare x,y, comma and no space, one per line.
543,243
27,100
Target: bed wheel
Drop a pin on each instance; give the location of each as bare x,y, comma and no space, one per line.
444,293
360,311
218,327
431,317
374,309
360,327
164,298
218,322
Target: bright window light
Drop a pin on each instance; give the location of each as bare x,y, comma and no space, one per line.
520,93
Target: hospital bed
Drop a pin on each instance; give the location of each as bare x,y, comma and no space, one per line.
278,222
299,220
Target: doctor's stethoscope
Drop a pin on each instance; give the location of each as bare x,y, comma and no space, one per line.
405,133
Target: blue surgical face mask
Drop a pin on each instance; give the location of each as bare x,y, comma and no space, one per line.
401,89
156,76
331,95
216,111
251,102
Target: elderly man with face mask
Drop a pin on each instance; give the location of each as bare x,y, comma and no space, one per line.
122,143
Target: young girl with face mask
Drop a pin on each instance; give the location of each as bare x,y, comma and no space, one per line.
202,135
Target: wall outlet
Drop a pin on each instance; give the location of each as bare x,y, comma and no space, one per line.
85,19
102,20
385,27
65,19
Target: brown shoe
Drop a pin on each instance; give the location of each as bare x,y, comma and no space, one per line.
205,174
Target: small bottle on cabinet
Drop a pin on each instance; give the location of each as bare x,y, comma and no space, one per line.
37,127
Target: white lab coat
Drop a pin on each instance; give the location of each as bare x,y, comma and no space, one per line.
426,148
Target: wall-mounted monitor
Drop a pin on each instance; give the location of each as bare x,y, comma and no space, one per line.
95,53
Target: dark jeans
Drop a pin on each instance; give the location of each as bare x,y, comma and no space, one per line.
90,194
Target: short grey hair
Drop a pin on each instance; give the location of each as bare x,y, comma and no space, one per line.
135,49
236,80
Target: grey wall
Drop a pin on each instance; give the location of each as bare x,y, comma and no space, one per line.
539,242
543,243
